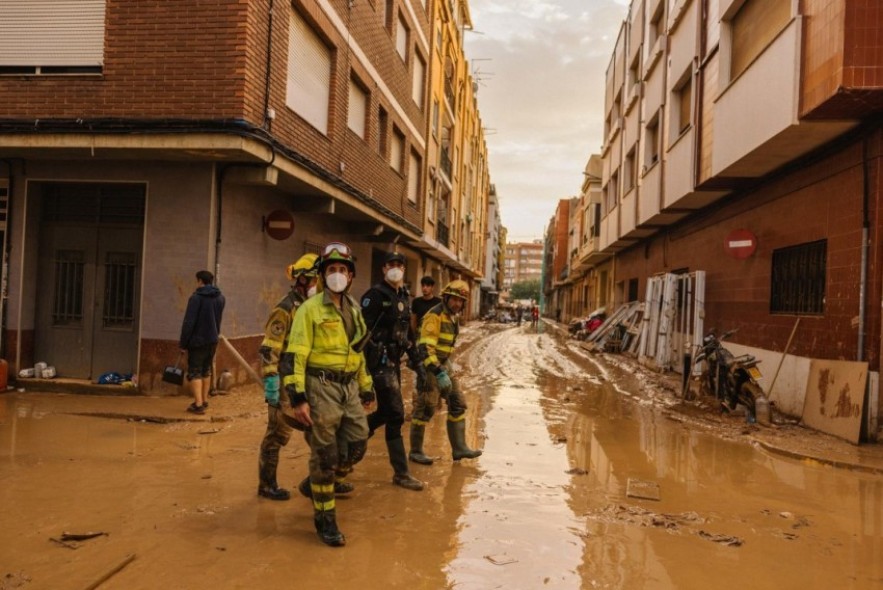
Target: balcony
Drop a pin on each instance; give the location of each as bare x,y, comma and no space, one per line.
442,233
445,163
767,94
449,94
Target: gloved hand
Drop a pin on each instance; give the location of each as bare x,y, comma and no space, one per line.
367,397
444,381
271,389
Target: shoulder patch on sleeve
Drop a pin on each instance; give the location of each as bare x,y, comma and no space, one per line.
366,301
277,328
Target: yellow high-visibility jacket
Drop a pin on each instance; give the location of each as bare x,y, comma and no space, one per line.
438,333
318,339
276,332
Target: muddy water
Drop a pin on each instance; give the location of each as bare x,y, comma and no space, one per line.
546,506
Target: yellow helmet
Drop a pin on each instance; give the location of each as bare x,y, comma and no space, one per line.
457,288
305,265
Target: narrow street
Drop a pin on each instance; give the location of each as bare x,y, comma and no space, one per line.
546,506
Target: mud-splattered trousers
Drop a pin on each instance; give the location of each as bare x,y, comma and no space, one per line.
427,396
338,421
275,362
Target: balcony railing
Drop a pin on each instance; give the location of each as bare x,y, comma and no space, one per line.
442,233
445,162
449,94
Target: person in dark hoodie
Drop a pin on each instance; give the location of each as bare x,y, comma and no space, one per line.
199,337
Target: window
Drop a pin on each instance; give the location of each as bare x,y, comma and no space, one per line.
358,112
419,81
657,26
682,105
51,36
414,167
753,27
309,74
435,117
596,224
397,149
634,78
632,294
612,191
798,279
382,131
67,301
402,38
651,141
629,174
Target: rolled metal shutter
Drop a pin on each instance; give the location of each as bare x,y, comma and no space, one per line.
309,74
52,32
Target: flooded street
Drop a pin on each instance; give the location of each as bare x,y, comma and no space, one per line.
546,506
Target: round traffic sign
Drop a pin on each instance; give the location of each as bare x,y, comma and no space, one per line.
740,243
279,225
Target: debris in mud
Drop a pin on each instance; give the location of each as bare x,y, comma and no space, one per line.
576,471
209,431
112,572
500,559
647,518
70,540
82,536
787,536
727,540
644,490
12,581
561,439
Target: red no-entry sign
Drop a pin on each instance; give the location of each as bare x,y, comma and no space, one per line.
279,225
740,243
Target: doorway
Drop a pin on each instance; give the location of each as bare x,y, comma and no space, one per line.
89,277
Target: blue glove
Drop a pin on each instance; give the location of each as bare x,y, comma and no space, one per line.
444,381
271,389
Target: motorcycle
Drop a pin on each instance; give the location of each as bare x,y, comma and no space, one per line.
731,379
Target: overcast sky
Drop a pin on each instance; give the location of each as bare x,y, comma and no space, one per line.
540,65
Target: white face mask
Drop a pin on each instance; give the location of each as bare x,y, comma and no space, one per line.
311,291
337,282
395,275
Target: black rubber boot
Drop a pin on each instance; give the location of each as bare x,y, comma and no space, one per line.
341,488
268,488
416,455
399,464
457,436
326,528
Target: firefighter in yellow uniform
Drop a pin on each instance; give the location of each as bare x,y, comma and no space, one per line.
438,334
330,387
273,363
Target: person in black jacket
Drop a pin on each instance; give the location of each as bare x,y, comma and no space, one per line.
199,337
387,310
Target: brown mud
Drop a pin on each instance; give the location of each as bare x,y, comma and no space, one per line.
564,432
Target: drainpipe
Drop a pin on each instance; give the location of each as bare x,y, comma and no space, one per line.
863,289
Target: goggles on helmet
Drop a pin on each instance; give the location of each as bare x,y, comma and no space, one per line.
342,250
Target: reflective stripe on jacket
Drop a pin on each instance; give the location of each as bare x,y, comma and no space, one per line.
438,333
318,338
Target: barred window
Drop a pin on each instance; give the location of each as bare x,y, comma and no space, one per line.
798,279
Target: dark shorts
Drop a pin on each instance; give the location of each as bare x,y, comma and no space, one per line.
199,361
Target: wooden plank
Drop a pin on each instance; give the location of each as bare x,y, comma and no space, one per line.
835,397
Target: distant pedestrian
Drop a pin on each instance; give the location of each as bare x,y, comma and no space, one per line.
420,305
534,316
200,332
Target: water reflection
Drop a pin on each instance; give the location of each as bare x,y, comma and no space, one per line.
515,529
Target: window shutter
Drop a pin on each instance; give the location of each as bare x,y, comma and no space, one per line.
396,151
309,74
402,38
358,109
52,32
413,177
419,75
